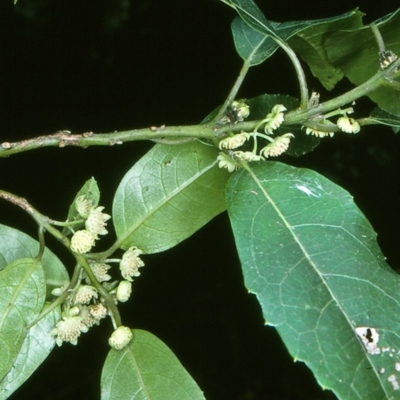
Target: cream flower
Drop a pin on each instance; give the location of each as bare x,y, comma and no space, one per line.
246,156
224,161
68,329
320,134
277,147
96,222
120,338
274,118
98,311
85,294
92,314
131,263
99,271
83,206
348,125
233,142
82,241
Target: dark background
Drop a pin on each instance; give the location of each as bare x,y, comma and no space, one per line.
117,64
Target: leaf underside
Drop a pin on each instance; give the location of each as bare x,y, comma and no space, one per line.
146,369
27,348
311,258
23,291
168,195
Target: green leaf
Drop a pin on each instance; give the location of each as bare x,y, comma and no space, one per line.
355,52
261,105
92,193
379,116
23,291
311,258
36,347
168,195
253,46
310,44
253,33
15,244
146,369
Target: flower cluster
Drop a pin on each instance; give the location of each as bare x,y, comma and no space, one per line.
83,240
92,296
276,146
344,123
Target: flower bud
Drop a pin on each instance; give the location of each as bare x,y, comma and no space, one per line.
348,125
82,241
124,291
120,338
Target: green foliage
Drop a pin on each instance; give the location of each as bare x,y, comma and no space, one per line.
146,369
355,53
254,41
311,258
308,253
24,343
168,195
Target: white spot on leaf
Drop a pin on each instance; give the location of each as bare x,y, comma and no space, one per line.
306,191
369,338
393,380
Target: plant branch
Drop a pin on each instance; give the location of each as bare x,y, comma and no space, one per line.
376,81
45,223
175,134
299,71
232,95
63,139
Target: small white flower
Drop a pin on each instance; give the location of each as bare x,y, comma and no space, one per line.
348,125
92,314
68,329
131,263
99,271
82,241
233,142
224,161
98,311
120,338
247,156
320,134
83,206
85,294
124,291
277,147
96,222
275,118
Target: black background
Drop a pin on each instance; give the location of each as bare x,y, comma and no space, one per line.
115,65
